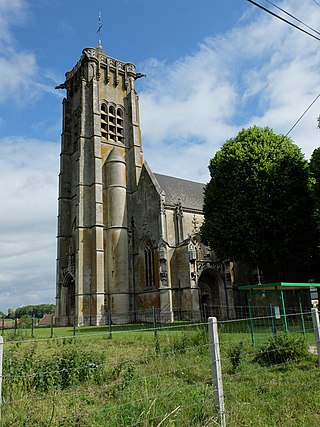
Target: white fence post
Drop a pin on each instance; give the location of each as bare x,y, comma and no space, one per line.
1,360
216,369
316,328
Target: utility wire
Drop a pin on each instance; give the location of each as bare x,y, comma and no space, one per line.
284,20
303,114
298,28
292,16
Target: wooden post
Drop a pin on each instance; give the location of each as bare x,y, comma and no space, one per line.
216,369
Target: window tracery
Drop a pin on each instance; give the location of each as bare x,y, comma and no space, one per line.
112,123
149,264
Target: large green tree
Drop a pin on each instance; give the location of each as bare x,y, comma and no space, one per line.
315,182
258,206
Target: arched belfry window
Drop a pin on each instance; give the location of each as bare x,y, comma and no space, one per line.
104,121
149,264
120,125
112,123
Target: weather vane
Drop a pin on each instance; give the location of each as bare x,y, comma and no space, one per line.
99,28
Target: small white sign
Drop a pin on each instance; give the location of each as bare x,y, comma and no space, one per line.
277,314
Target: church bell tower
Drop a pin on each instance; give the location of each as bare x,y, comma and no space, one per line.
100,165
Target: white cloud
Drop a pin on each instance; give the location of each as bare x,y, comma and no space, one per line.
17,72
11,13
28,176
20,77
261,72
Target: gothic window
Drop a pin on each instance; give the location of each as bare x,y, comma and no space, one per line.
112,123
149,264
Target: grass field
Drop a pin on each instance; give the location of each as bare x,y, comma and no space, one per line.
135,379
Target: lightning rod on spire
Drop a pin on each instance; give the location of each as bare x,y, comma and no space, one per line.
99,30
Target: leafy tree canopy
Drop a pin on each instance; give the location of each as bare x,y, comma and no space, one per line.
315,176
257,205
35,310
11,314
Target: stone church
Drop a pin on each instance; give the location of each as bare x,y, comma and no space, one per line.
128,238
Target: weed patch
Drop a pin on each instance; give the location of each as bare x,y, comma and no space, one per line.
282,348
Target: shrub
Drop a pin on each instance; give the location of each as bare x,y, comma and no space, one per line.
190,339
62,366
282,348
235,354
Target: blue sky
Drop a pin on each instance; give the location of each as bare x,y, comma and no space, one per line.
212,68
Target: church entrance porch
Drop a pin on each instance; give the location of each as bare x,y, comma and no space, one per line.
65,311
212,294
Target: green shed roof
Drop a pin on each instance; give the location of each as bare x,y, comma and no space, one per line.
278,286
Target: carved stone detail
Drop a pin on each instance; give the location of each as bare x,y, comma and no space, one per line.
195,223
202,264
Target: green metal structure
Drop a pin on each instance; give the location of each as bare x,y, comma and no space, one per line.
279,288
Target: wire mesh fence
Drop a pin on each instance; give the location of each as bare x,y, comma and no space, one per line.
149,319
163,377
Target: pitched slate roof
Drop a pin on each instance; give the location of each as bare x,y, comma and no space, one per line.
189,193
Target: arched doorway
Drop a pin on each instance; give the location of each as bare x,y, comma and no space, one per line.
69,298
211,285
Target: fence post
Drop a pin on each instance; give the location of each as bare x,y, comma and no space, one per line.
110,323
154,321
32,327
303,329
51,326
273,323
316,328
216,369
74,325
251,321
205,316
1,361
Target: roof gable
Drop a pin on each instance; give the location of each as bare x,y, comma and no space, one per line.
189,193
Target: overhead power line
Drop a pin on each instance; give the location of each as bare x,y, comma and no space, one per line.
298,28
282,19
292,16
303,114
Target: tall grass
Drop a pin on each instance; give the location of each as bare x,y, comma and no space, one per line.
134,379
